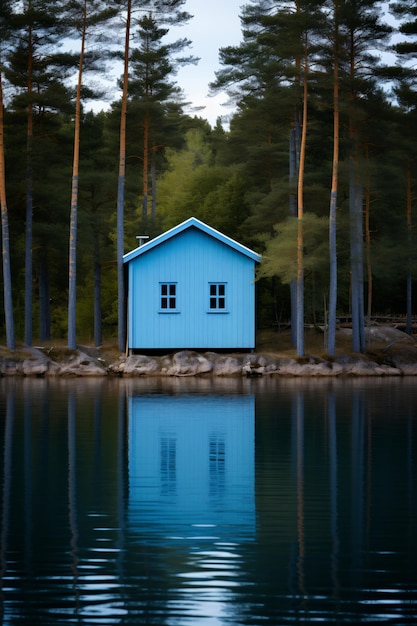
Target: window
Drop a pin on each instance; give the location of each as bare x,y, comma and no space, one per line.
168,296
217,464
217,296
168,465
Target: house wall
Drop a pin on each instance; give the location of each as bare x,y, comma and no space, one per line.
192,259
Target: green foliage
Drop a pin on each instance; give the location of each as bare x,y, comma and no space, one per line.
237,180
280,255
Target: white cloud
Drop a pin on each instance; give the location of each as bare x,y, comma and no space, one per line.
215,24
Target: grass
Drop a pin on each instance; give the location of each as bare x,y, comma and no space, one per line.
273,342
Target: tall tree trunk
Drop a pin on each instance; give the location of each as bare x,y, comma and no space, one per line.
29,197
355,213
300,202
153,182
7,279
356,261
44,304
294,166
409,306
368,241
120,192
331,337
98,336
72,271
145,163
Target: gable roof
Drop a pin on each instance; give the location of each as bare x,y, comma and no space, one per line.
192,222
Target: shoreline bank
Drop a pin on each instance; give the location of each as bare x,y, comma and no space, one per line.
391,353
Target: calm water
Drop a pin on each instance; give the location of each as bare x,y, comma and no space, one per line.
202,502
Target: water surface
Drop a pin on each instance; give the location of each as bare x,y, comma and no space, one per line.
199,501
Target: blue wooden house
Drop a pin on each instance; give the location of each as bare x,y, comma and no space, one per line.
191,288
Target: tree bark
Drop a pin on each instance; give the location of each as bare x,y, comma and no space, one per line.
29,198
331,337
72,270
120,191
300,202
7,279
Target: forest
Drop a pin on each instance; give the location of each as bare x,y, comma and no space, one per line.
315,169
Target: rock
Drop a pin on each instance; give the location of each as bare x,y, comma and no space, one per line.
397,356
81,364
407,369
225,365
188,363
8,367
140,365
313,367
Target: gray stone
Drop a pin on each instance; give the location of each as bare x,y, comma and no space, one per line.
189,363
81,364
397,358
140,365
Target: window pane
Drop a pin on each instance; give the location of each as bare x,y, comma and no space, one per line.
172,303
222,290
213,290
164,290
213,303
221,303
164,303
172,290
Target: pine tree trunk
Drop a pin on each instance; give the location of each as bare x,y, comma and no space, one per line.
145,163
44,303
409,306
7,279
331,337
72,271
120,192
29,200
356,260
98,337
293,213
300,202
368,244
153,182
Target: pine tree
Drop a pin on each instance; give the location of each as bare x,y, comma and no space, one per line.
153,64
364,30
5,11
407,94
278,48
33,70
86,14
121,188
331,339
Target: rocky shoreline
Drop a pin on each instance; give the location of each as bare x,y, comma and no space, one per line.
394,354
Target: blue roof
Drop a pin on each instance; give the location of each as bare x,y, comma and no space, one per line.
192,222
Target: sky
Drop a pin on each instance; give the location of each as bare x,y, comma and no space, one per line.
215,24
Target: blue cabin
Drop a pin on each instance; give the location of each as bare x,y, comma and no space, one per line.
191,288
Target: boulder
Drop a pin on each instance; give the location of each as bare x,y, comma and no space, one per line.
188,363
81,364
140,365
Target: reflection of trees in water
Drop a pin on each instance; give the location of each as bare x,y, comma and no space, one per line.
331,413
7,487
335,506
299,417
72,497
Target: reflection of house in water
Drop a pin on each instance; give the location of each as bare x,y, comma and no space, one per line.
191,463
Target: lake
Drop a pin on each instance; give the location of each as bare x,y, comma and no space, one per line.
213,502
